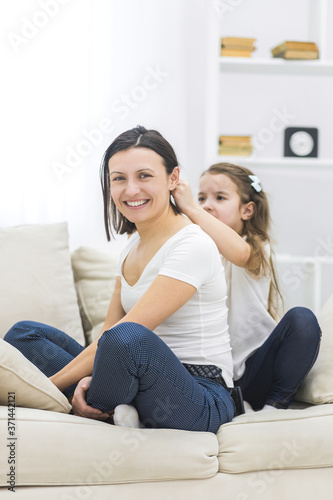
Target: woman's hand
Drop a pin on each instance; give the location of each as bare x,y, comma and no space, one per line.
183,197
79,403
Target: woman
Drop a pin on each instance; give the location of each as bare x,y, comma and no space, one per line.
164,346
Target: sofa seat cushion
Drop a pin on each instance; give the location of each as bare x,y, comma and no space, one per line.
36,278
22,384
277,439
68,450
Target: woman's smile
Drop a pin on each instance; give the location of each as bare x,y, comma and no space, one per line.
136,203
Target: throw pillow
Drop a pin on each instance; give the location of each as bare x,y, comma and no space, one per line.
36,278
94,276
27,385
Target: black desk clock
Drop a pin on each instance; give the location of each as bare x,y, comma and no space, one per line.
301,142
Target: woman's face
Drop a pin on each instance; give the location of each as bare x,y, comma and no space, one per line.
219,196
140,184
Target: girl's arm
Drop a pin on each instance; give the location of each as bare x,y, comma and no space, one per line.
164,297
229,243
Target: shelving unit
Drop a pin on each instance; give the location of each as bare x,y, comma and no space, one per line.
253,162
276,66
217,65
298,188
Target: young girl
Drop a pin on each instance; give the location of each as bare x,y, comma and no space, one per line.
164,346
270,360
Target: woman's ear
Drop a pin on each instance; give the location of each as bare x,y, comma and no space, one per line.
247,210
174,178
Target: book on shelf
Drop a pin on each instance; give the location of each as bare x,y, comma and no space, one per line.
235,151
238,145
299,54
237,46
294,45
235,52
235,139
296,50
238,42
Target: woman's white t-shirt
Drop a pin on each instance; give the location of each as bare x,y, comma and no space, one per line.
250,323
198,332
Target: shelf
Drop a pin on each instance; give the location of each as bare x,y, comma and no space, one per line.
282,66
277,162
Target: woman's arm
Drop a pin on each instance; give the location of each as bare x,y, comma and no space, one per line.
229,243
164,297
82,365
115,311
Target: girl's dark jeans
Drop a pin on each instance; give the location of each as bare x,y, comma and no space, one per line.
276,370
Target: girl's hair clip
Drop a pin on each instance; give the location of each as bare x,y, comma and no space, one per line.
256,183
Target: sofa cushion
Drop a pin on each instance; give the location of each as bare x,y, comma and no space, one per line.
36,278
264,485
317,388
28,386
73,450
94,276
277,439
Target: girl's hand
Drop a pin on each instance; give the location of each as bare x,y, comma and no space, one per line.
183,197
79,403
229,243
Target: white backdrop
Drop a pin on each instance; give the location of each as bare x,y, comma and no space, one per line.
75,73
79,72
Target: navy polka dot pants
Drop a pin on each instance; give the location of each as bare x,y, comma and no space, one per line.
132,366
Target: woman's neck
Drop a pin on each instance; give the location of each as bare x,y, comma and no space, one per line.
162,227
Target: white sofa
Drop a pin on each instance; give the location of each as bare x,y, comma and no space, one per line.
47,453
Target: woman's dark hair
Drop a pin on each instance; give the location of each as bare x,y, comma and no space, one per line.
138,137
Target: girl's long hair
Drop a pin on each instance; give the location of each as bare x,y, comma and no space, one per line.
256,229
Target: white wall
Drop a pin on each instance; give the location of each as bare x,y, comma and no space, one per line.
68,64
44,106
106,65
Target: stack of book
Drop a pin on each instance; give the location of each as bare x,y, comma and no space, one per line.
296,50
237,47
235,145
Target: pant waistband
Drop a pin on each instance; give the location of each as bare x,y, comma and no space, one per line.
207,371
214,373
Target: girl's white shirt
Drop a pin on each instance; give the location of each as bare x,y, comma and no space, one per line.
250,323
198,332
